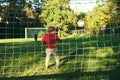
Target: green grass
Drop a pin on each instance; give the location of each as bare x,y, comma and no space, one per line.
82,58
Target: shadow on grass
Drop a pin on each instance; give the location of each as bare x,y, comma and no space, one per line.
30,48
76,75
67,58
115,74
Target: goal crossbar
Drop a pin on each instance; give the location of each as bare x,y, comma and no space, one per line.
33,29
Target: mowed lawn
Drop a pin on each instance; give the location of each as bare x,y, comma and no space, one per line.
83,57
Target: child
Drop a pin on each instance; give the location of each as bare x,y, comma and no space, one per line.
35,35
50,41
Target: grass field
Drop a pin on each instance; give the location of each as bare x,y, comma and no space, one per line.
86,57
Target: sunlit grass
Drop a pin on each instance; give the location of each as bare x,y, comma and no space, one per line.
17,40
80,56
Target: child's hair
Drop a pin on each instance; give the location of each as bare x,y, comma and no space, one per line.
51,29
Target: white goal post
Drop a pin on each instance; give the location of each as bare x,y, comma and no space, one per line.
30,31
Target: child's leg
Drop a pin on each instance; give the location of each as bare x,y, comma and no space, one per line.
48,53
57,58
35,38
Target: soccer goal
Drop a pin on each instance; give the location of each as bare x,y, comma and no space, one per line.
30,31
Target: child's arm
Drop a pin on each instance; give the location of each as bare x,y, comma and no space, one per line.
43,40
58,39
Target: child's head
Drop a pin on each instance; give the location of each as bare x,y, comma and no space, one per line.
51,29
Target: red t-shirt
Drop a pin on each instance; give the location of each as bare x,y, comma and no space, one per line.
50,40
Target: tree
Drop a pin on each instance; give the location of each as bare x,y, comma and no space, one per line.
17,14
58,14
11,14
100,16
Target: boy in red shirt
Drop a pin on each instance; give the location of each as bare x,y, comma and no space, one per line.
50,41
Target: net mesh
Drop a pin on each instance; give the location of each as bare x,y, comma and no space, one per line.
30,32
82,56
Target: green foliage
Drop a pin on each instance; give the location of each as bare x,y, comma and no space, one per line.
100,16
57,13
17,15
81,15
41,33
29,12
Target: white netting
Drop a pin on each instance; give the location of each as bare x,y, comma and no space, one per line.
83,55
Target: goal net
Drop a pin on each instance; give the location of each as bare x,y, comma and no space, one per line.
84,53
29,32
